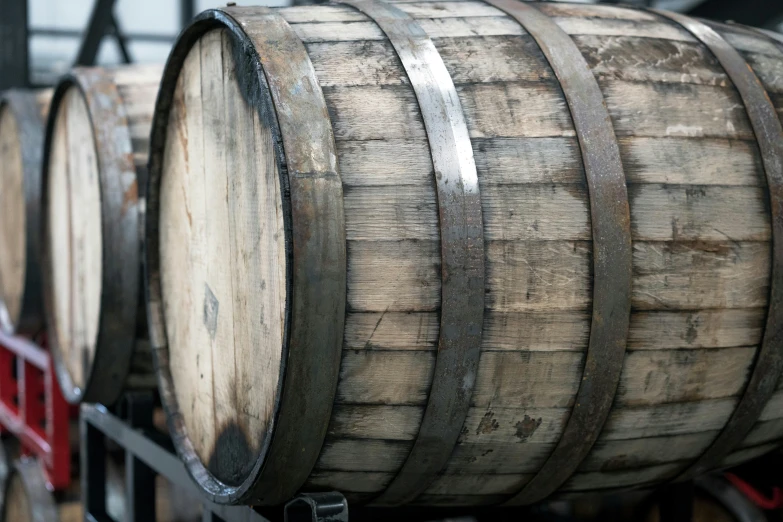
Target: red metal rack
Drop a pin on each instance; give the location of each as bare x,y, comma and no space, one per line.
32,407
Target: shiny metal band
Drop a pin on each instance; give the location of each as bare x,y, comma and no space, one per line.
462,251
279,73
769,135
612,251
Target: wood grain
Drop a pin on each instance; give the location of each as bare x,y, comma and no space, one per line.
701,238
75,235
12,217
222,261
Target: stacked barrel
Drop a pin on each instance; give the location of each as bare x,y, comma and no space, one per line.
93,209
435,253
73,206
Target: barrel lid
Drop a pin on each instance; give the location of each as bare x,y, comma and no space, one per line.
245,256
222,259
12,220
73,219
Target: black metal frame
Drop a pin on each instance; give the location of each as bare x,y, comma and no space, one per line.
149,453
758,13
103,22
15,58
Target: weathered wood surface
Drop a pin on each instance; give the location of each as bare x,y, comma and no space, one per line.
213,306
22,118
699,220
80,248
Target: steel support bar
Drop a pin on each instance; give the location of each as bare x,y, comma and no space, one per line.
147,457
102,22
122,39
99,24
14,50
758,13
187,10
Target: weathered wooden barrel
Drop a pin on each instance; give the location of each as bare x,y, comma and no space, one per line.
26,497
22,117
96,150
465,253
4,471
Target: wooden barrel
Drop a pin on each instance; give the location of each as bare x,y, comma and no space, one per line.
22,117
463,252
4,471
96,150
26,497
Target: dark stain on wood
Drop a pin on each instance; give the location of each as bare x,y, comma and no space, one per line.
488,424
620,462
692,333
232,459
527,427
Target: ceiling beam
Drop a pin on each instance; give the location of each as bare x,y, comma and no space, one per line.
758,13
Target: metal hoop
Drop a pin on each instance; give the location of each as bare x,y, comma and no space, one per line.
612,251
462,251
769,136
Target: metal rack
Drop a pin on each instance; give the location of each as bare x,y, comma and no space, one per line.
149,453
33,409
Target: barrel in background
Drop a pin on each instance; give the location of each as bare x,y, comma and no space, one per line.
95,163
26,497
22,119
297,257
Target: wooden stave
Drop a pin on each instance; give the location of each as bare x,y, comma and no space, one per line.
462,242
28,474
759,439
30,109
121,327
610,215
769,136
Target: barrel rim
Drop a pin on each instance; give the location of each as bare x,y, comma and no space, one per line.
22,104
763,376
5,473
30,472
214,489
105,378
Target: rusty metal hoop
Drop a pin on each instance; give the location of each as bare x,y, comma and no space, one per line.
462,251
612,250
769,136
